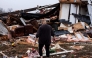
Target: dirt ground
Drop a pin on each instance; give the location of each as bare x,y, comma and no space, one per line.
20,49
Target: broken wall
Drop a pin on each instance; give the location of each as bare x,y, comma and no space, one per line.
83,11
66,11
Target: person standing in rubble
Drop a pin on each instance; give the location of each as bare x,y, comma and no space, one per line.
44,34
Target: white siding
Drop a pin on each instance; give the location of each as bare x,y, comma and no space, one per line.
64,11
73,9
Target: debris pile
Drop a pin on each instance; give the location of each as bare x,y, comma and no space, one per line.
71,25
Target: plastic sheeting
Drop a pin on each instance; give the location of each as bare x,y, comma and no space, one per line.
82,18
60,32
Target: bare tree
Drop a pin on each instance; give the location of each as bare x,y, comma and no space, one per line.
10,9
1,11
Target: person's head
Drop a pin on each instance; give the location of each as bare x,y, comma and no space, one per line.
43,21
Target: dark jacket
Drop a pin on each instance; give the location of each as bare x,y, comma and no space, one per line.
44,33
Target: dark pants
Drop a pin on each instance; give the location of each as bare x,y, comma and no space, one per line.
46,48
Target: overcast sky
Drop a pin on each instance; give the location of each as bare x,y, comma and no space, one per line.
24,4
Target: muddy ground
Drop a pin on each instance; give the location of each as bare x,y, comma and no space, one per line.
20,50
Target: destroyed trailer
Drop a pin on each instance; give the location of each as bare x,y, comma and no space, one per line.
73,33
22,31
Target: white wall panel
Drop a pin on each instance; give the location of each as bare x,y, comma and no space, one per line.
73,9
64,11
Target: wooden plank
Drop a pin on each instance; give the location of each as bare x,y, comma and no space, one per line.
4,54
70,1
22,20
75,1
57,53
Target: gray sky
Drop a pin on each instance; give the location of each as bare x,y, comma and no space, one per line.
24,4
